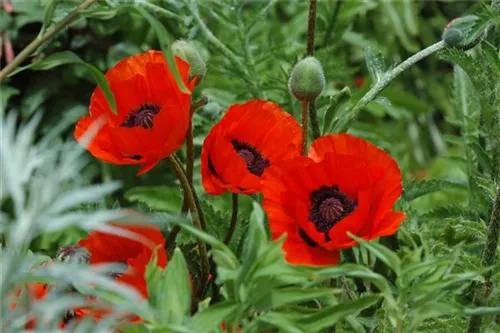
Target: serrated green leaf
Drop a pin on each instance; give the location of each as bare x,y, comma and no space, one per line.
482,157
432,310
375,63
69,58
415,190
486,86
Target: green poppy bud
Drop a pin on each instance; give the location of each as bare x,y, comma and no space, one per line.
188,52
307,80
463,32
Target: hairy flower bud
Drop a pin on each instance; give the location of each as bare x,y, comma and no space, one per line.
307,80
188,52
463,32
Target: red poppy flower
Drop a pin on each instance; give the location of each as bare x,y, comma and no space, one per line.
344,185
240,148
134,254
36,292
153,114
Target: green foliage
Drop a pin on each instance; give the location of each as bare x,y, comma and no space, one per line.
439,120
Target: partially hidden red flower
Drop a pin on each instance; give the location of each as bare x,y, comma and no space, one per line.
153,113
134,253
345,184
244,144
37,292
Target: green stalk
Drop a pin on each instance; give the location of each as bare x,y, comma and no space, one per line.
311,25
189,167
483,290
234,220
349,117
39,40
305,107
157,10
196,212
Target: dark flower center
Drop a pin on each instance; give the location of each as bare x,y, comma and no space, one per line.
254,160
143,116
328,207
305,237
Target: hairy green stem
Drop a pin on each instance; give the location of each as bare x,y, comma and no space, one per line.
189,168
39,40
350,116
313,117
199,103
331,23
196,212
192,6
311,25
157,10
305,107
483,290
234,219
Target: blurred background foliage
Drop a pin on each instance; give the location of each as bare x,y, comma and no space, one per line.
428,119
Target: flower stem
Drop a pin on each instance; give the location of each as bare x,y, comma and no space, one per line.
305,107
189,158
157,10
349,117
482,291
199,103
189,168
196,213
313,118
311,24
331,23
234,220
39,40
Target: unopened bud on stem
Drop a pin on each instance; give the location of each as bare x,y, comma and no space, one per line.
463,32
188,52
307,80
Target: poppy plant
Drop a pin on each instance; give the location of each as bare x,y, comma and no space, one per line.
244,144
152,112
345,184
36,292
133,253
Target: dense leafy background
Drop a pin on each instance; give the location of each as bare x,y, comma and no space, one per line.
430,119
